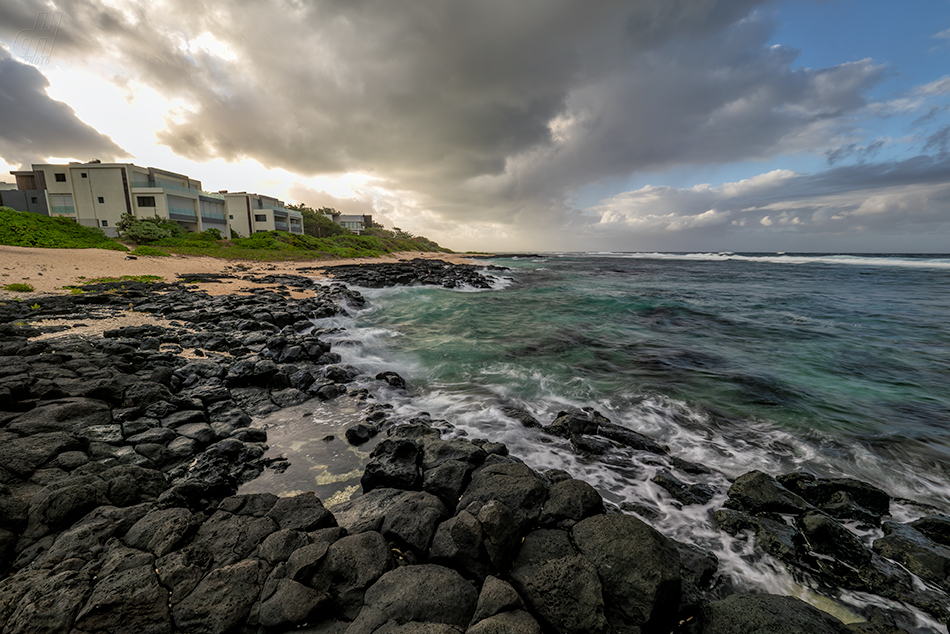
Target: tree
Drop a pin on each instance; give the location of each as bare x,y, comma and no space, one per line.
317,224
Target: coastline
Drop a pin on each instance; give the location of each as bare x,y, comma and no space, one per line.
474,513
49,270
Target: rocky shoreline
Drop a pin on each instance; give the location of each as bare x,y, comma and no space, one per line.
122,454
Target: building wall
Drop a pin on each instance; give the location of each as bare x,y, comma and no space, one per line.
237,210
99,194
32,200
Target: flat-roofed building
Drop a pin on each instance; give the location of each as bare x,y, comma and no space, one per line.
96,194
253,213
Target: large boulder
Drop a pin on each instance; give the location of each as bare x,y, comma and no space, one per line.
570,501
758,492
514,484
919,553
407,518
561,586
222,600
767,614
638,567
419,595
394,463
126,601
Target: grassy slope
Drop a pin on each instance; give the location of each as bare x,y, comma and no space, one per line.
20,228
23,229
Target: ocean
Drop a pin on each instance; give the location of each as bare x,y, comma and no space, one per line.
838,365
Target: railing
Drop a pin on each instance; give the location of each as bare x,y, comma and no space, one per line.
181,212
176,187
213,220
209,213
281,226
63,210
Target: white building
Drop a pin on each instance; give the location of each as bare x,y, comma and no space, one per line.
96,194
254,213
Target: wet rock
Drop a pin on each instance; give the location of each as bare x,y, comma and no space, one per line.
392,378
828,537
230,538
222,600
351,565
447,481
280,545
638,567
829,491
570,501
685,494
304,512
126,600
436,451
561,586
48,602
522,415
744,613
458,544
514,622
162,530
921,555
516,485
934,527
394,463
71,415
23,456
407,518
757,492
418,594
360,433
291,604
497,596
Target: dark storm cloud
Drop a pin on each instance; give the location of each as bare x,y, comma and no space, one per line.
495,103
34,126
493,113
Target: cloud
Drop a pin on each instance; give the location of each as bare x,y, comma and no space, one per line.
784,209
33,126
488,109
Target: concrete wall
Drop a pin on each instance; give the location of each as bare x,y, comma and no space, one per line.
32,200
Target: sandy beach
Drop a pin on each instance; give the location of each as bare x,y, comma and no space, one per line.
50,270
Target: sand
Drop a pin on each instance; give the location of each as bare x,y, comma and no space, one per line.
50,270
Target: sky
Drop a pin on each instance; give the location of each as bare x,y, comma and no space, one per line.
491,125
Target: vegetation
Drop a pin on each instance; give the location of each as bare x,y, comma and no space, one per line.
160,237
144,230
316,222
19,288
25,229
147,250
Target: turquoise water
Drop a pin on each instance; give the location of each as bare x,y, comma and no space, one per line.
837,365
850,350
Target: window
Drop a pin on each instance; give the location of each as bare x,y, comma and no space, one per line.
145,201
60,178
105,223
83,174
32,199
101,199
260,217
230,217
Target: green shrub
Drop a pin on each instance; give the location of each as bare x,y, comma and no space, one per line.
145,230
25,229
19,288
147,250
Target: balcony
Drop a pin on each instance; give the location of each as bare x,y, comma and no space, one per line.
281,226
181,213
68,209
175,187
218,220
